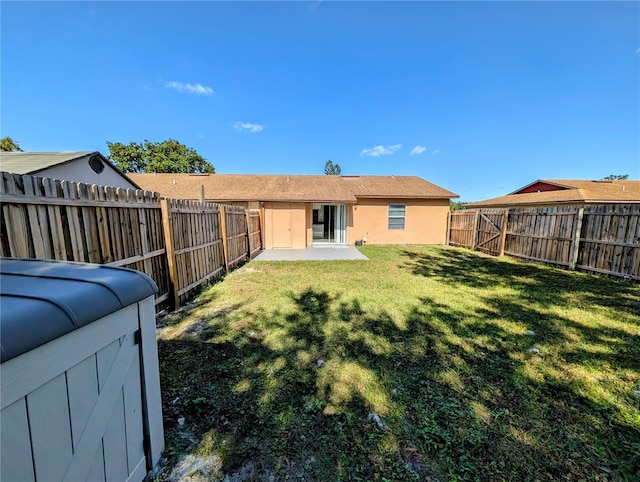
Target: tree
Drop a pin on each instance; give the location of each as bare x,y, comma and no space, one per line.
331,169
456,205
7,144
166,156
616,177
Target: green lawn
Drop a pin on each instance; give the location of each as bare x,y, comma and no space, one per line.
434,341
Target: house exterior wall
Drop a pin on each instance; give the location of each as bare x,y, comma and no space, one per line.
285,225
425,222
80,171
288,225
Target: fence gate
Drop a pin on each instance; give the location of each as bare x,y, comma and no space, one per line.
489,231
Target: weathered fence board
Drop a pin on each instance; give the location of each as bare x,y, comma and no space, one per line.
49,219
237,234
193,241
489,228
462,229
255,232
180,244
603,238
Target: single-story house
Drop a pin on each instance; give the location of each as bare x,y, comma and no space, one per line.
566,192
84,166
299,211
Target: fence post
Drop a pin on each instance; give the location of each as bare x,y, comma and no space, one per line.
170,252
201,193
575,242
261,222
247,221
225,241
503,235
448,239
476,226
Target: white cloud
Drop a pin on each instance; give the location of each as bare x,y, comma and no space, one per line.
418,150
436,151
377,151
248,127
197,89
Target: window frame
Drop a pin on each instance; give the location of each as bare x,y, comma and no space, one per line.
396,217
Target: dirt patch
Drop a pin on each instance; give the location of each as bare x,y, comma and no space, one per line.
193,468
196,328
249,270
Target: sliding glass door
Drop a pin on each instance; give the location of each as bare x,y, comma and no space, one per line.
329,223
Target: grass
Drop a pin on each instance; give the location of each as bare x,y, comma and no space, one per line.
280,368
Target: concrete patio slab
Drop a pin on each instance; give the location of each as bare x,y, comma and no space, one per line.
311,253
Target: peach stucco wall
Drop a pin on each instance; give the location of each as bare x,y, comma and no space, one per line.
288,225
425,222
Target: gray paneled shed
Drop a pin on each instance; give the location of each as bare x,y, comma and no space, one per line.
79,373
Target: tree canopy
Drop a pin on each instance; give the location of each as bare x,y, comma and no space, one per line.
166,156
616,177
7,144
331,169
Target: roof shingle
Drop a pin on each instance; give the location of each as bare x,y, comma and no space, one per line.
260,187
32,162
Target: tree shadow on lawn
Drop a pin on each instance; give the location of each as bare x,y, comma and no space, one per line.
555,414
539,283
288,395
587,329
540,296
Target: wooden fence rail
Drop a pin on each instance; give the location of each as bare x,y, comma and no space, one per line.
603,238
180,244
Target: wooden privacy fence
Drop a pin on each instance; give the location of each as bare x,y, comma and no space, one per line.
603,238
180,244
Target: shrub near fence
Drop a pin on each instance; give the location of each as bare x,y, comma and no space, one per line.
603,238
180,244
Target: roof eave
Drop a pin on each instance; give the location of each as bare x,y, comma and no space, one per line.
316,201
404,196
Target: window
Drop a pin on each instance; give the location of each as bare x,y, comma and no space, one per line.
396,216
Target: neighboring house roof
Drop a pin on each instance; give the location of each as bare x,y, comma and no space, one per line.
569,191
289,188
35,162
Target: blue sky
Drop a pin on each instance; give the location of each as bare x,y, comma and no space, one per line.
480,98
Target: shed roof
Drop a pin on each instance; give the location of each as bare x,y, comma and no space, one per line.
570,191
34,162
289,188
44,300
